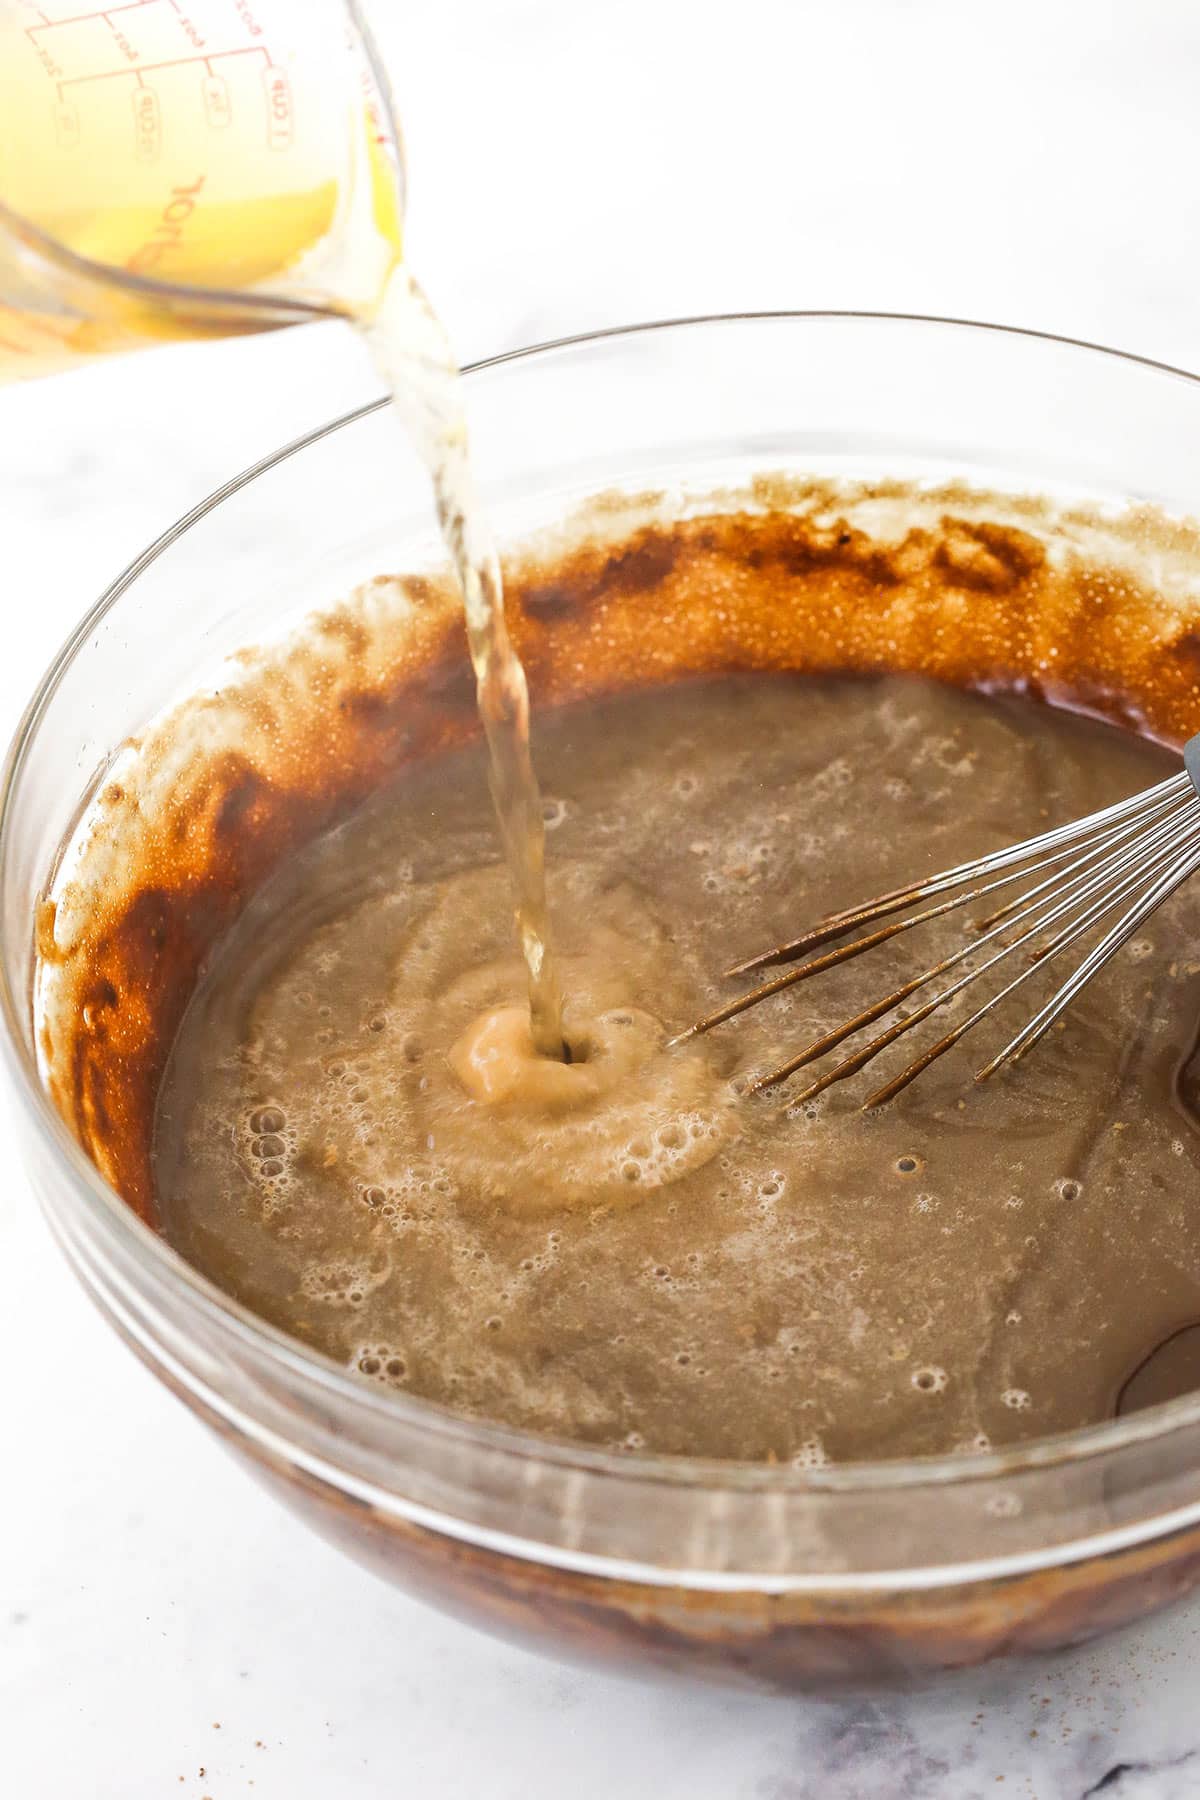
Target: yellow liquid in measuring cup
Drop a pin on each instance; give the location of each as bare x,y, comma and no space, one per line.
235,148
227,147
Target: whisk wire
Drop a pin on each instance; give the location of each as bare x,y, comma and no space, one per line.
1058,842
818,965
1138,850
1025,905
1061,941
1178,872
1079,891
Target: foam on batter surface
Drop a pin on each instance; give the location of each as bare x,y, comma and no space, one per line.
353,1138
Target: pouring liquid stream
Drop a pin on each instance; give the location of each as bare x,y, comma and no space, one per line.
413,355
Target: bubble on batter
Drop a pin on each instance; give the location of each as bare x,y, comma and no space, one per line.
974,1446
810,1455
681,1144
384,1363
835,776
743,861
267,1120
947,755
686,786
930,1379
1067,1188
908,1164
343,1281
553,812
1138,949
1017,1399
266,1141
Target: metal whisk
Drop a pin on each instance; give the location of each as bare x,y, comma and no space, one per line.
1125,859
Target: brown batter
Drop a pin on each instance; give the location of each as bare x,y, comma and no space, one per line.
632,1253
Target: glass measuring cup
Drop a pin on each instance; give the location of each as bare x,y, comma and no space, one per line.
187,168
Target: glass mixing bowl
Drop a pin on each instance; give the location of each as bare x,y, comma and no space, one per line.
814,1579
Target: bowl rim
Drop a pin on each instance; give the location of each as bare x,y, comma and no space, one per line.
170,1272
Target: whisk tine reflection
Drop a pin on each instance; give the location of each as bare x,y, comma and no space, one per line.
1128,856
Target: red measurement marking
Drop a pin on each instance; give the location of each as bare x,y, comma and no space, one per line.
147,124
66,123
174,62
123,42
168,232
87,18
279,107
39,326
53,69
218,108
247,17
192,31
26,324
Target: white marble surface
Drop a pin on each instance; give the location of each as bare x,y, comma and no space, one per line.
164,1629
